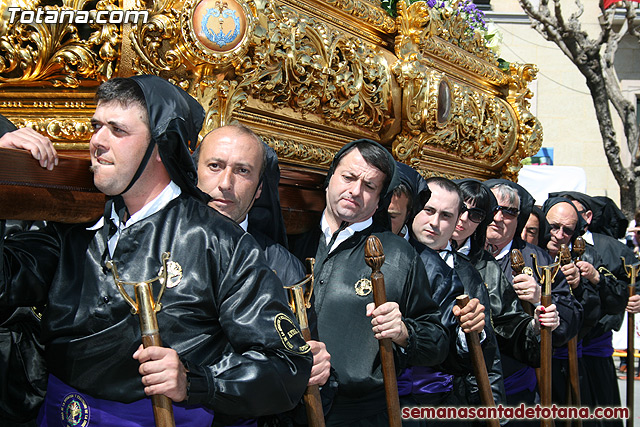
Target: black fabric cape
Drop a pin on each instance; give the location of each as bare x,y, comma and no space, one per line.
346,331
220,317
570,310
23,375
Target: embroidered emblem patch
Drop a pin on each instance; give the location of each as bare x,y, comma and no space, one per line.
174,274
290,334
74,411
363,287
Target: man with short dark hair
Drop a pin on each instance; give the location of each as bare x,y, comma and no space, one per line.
357,193
229,338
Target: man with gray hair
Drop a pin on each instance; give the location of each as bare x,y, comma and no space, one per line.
504,234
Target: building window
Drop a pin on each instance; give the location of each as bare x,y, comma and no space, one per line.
483,4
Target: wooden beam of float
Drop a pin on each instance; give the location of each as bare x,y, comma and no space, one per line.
30,192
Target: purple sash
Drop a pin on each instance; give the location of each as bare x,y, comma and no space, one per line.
600,346
523,379
563,352
423,380
65,406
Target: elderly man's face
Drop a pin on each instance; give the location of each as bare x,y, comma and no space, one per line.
435,223
502,229
120,138
398,211
229,171
562,219
354,189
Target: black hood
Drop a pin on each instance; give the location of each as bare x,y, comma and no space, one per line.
381,216
175,120
526,202
607,217
543,225
6,125
548,204
417,186
265,216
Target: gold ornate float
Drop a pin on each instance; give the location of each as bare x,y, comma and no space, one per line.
307,75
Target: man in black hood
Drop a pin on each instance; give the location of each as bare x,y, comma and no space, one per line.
358,187
241,174
230,340
504,234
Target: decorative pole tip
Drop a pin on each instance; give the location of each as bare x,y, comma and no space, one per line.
374,253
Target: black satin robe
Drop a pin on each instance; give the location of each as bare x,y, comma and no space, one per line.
219,317
346,330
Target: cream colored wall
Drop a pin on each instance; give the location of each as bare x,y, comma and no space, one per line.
562,102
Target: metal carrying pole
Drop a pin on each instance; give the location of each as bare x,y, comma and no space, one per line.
146,308
546,276
299,301
632,273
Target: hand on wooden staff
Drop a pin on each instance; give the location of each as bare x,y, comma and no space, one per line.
633,305
471,317
572,274
28,139
547,316
527,289
588,271
321,363
387,322
162,372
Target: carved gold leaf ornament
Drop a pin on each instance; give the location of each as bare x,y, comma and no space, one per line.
57,53
310,76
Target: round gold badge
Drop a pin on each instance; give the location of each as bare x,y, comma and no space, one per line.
219,25
363,287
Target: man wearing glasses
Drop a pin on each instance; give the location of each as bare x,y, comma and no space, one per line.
504,234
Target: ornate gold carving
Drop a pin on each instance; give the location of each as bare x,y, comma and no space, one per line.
57,53
301,152
480,126
59,130
529,127
367,11
441,35
316,69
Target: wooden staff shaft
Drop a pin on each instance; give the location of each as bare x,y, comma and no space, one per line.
631,365
374,257
162,406
312,399
545,365
573,398
479,366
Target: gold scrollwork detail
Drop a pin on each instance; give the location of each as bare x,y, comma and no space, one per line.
155,43
62,54
444,35
368,12
58,129
301,152
529,127
306,65
478,127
